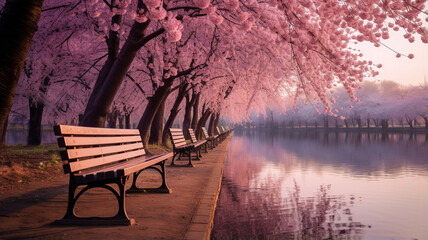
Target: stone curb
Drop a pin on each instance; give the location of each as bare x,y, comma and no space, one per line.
202,221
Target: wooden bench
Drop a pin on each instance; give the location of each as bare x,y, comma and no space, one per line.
181,147
101,157
221,134
198,144
212,140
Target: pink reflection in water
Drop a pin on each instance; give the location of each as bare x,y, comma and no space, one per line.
324,186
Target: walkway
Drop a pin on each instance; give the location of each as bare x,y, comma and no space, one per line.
186,213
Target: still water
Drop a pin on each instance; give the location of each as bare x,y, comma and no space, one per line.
19,136
316,185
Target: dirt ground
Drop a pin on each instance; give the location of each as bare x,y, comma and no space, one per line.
33,194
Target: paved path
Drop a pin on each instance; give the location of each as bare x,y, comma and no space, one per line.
186,213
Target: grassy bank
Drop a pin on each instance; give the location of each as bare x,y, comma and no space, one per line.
22,164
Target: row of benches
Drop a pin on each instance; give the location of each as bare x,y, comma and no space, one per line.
181,148
101,157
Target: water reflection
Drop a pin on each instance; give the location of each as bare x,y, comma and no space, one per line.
322,215
316,185
20,135
361,153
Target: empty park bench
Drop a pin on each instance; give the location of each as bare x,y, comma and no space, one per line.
221,134
212,140
198,143
181,147
102,157
225,130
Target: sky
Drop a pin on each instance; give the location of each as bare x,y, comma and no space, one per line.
402,70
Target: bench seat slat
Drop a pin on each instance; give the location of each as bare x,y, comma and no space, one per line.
179,145
93,162
199,143
190,145
89,152
120,169
90,141
84,131
121,165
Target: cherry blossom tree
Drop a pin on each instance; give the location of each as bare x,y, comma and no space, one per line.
57,56
18,23
244,54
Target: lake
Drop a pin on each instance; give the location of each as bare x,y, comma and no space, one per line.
19,136
318,185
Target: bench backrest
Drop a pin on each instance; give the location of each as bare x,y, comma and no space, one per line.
177,137
87,147
192,136
218,130
204,131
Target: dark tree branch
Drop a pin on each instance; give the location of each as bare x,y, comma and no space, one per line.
136,84
150,37
65,40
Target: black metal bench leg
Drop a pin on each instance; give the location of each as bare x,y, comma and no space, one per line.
162,189
182,154
71,201
199,151
121,214
172,161
190,158
196,150
121,218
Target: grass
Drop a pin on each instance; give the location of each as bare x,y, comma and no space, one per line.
158,149
21,149
49,152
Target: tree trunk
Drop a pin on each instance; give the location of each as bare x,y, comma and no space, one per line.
376,122
426,121
155,101
384,123
36,115
410,122
112,119
157,125
35,123
359,122
96,111
325,122
187,117
101,99
211,125
18,23
120,118
346,123
368,122
195,111
113,43
174,111
216,120
202,121
128,120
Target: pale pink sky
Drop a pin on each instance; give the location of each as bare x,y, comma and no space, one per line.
403,70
